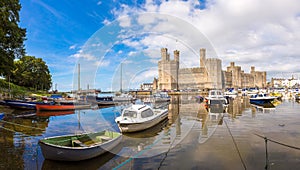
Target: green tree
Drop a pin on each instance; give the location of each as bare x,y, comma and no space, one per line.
32,73
11,35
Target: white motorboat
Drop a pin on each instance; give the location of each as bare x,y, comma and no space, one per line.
139,117
216,97
123,98
231,93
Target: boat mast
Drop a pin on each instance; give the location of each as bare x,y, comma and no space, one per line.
121,79
78,78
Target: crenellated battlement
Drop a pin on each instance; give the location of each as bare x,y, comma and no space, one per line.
208,75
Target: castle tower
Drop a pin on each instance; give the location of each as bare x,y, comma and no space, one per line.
202,57
252,69
164,54
176,55
168,70
232,64
214,69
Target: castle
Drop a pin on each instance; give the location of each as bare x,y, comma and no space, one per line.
208,76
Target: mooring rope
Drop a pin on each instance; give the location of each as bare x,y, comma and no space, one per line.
37,128
23,134
21,125
235,144
268,139
266,145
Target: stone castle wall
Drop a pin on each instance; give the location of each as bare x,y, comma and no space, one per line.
208,76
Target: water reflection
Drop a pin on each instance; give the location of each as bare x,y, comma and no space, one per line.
188,120
213,118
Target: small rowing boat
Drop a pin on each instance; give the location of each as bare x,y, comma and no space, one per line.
79,147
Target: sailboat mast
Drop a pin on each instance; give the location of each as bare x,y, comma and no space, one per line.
121,79
78,77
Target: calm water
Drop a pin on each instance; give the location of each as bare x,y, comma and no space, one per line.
192,137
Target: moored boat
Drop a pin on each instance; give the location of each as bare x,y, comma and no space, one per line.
54,107
21,104
123,98
261,99
216,97
297,96
61,107
231,93
1,116
105,100
161,97
79,147
139,117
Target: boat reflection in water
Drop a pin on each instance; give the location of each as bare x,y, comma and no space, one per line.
186,140
54,113
215,113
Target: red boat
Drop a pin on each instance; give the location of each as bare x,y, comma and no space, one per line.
49,107
61,107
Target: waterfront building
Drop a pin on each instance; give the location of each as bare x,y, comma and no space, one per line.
209,75
286,83
147,86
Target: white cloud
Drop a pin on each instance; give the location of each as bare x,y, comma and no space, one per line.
106,22
104,63
72,47
125,21
250,32
87,57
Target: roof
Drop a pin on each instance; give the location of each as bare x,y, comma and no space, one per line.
138,107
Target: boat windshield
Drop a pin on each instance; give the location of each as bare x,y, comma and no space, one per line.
214,93
146,113
128,113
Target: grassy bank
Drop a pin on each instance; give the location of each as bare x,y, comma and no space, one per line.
14,91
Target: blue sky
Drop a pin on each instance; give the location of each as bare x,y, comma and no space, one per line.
103,35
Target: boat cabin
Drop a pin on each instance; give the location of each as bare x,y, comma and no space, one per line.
215,94
138,111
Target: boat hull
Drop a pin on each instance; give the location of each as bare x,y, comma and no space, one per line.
46,107
261,101
62,153
21,104
135,127
49,107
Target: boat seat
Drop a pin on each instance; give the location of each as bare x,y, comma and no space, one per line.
103,138
106,137
77,143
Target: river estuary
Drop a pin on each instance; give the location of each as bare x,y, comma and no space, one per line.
192,137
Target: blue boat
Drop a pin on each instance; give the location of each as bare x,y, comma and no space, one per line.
101,101
21,104
1,116
261,99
